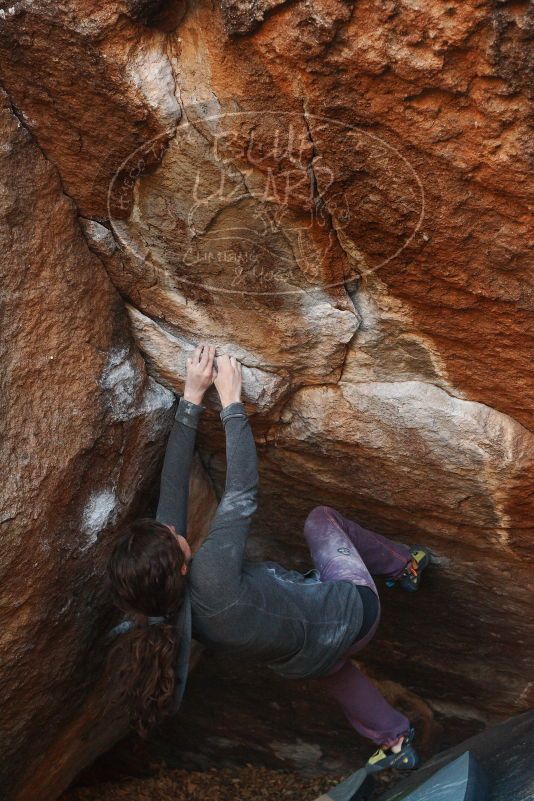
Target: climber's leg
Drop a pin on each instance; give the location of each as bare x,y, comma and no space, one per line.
326,531
336,557
365,708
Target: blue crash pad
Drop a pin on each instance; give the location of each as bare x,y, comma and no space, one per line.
461,780
504,752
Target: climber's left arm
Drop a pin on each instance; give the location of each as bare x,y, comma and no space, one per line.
218,564
174,486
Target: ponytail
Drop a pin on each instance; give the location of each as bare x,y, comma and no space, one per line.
143,663
147,583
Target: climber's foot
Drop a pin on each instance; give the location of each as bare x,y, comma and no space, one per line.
410,578
402,756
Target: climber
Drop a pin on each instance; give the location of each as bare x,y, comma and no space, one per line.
299,625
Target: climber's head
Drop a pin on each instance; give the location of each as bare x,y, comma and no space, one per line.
148,574
148,567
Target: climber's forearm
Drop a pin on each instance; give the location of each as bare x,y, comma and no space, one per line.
241,458
174,490
174,486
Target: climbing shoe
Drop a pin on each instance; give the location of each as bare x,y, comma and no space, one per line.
406,759
410,577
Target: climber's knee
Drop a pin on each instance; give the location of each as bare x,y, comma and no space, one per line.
316,518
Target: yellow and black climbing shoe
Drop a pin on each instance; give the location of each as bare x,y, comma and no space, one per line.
410,578
406,759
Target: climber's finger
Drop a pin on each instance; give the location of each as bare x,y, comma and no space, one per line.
196,354
210,351
204,356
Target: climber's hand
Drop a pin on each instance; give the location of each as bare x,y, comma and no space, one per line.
228,379
200,373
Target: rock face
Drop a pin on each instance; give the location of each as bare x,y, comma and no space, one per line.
83,428
336,192
92,83
83,432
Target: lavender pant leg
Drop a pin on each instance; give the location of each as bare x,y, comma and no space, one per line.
382,556
364,707
334,554
334,543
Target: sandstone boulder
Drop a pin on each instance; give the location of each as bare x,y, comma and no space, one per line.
83,431
336,192
344,204
92,83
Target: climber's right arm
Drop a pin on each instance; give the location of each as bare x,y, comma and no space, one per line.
174,486
174,482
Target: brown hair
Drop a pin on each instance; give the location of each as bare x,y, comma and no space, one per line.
146,581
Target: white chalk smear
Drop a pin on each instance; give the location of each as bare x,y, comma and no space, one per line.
119,380
156,398
98,513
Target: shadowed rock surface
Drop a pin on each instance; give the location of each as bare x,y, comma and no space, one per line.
336,192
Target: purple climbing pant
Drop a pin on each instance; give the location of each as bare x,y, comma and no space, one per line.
343,550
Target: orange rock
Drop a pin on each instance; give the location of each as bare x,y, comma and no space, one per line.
83,429
340,198
92,84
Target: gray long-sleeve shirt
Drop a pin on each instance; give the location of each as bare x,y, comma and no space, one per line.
260,611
